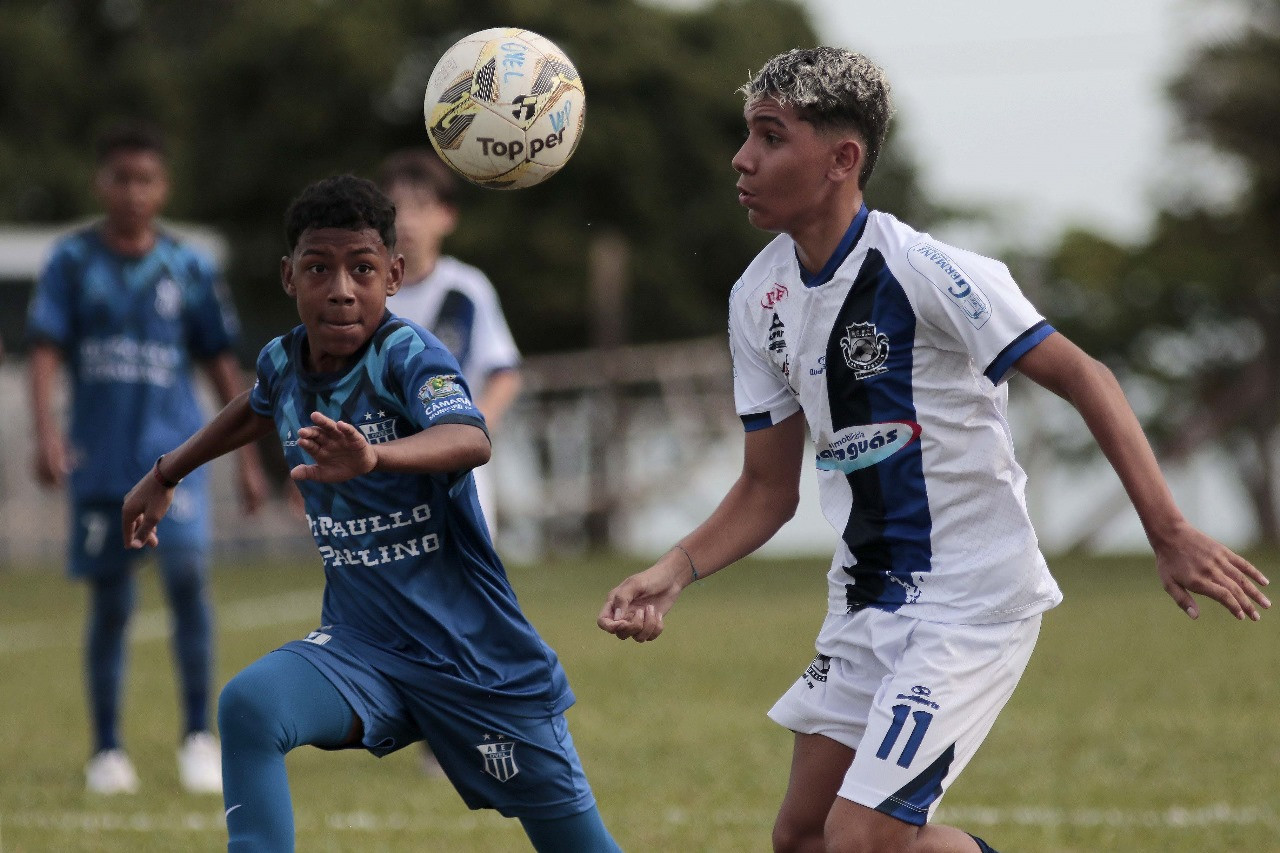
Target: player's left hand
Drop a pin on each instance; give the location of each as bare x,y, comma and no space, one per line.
144,506
339,449
1192,562
635,607
253,484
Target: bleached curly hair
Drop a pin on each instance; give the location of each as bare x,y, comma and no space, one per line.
831,88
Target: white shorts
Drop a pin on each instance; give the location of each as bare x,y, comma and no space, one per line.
914,699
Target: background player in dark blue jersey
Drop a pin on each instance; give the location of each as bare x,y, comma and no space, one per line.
421,635
130,310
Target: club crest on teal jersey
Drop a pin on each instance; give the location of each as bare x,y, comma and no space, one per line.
378,432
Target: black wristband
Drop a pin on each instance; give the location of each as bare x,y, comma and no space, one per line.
161,478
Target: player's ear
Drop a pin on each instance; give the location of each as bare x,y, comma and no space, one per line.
286,276
847,156
448,218
395,275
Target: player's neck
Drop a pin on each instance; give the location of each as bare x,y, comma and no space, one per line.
817,240
132,242
419,268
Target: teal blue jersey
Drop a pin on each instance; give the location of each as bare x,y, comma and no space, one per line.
409,565
130,330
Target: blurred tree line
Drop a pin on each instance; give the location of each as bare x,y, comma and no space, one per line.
259,99
1192,315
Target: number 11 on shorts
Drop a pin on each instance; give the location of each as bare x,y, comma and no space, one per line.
920,725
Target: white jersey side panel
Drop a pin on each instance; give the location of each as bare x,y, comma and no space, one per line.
898,362
459,305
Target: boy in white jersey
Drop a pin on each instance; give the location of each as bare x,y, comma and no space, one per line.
893,349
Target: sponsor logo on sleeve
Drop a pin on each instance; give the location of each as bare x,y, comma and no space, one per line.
439,387
442,395
928,260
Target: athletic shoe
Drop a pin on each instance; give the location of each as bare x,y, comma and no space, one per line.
200,764
110,772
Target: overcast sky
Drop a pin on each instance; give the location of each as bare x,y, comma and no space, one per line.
1052,113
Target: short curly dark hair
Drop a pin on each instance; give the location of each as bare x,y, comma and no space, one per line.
132,135
343,201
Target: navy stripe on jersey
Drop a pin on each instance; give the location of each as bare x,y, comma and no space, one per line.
847,242
889,527
751,423
455,324
1020,346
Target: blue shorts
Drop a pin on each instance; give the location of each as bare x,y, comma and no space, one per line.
96,547
496,757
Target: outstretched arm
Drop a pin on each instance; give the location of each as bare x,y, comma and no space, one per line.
341,452
763,498
147,502
224,373
1187,560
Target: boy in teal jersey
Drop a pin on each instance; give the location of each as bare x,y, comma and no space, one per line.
130,311
421,636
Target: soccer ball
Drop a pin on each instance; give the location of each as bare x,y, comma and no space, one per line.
504,108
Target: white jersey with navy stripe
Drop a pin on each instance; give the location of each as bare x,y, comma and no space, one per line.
897,353
459,305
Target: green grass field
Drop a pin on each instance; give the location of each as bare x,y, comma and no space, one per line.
1135,729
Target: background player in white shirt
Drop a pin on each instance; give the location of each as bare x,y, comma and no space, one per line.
893,349
456,301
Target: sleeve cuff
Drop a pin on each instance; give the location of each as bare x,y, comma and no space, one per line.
999,368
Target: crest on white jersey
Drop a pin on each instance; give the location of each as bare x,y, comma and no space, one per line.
864,349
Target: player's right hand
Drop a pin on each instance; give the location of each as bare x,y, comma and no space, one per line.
635,607
340,451
51,463
144,506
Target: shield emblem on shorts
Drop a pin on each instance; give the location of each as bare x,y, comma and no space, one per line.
499,759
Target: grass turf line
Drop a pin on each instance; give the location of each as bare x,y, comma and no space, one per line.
1134,729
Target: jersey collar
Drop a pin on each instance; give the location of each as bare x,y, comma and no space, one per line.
312,381
847,242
